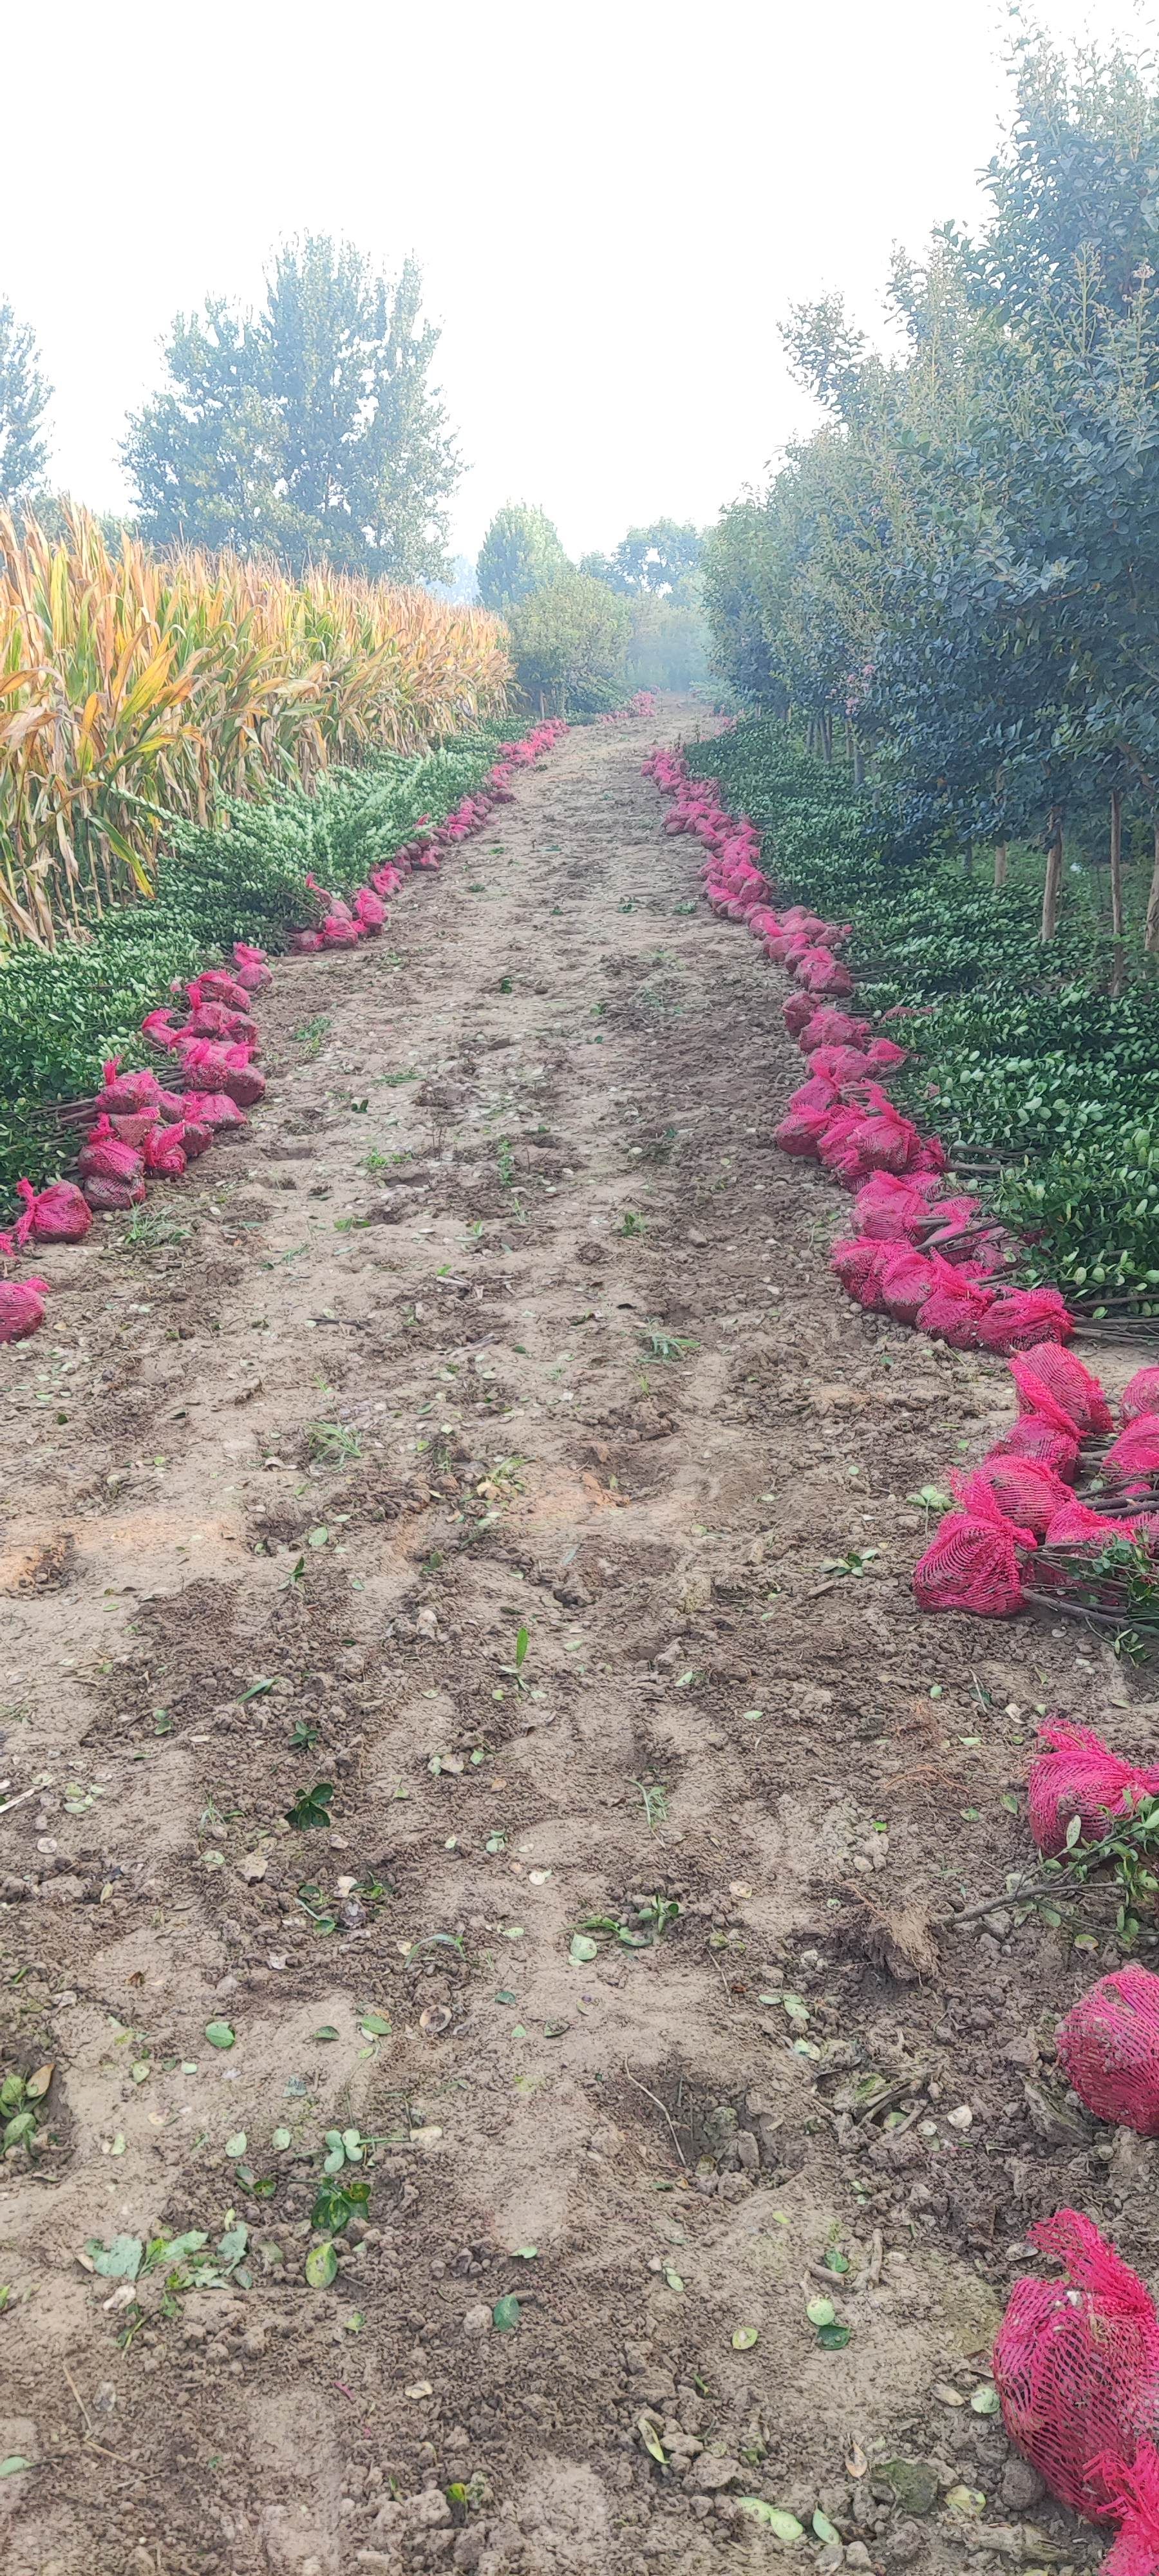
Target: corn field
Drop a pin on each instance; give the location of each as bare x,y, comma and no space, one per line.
134,689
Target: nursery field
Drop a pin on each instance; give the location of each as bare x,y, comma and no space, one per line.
534,2064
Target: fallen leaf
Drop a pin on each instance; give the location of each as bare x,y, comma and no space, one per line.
784,2526
420,2388
37,2084
435,2018
744,2337
321,2265
505,2314
219,2034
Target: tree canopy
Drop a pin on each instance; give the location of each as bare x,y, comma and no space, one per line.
569,639
520,552
310,429
661,559
24,399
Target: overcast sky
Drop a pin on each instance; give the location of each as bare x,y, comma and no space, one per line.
612,206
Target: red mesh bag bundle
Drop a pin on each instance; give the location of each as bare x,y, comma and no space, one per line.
59,1214
196,1137
302,943
1020,1318
1109,2047
1133,2502
931,1155
817,1093
339,931
821,973
972,1563
946,1220
1140,1395
802,1130
220,1068
21,1305
133,1131
210,1017
840,1064
1071,1385
164,1152
1075,1525
214,985
1036,1397
1076,2365
885,1057
387,881
798,1012
858,1267
1078,1775
1024,1490
129,1093
824,1027
906,1281
1131,1464
895,1209
955,1306
872,1138
107,1197
370,908
1033,1438
252,970
104,1157
211,1109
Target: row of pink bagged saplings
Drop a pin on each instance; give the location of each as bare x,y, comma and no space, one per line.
144,1131
1015,1511
1076,2361
342,925
923,1260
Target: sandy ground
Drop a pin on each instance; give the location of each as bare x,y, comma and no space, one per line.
488,1444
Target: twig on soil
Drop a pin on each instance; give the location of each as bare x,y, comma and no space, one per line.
654,2097
22,1801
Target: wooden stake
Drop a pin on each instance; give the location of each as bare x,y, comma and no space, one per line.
1151,934
1117,862
1001,864
1052,881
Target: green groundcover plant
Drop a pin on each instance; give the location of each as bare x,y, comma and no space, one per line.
62,1013
1043,1086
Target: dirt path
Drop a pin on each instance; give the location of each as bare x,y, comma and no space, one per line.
503,1316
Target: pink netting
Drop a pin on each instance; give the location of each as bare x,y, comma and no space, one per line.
1075,1525
1020,1318
1076,2365
164,1153
207,1067
817,1093
1109,2047
21,1308
1025,1490
895,1210
955,1305
1133,2496
972,1563
196,1138
59,1214
885,1056
824,1027
840,1064
211,1109
104,1157
1033,1438
1131,1464
106,1197
858,1267
906,1281
252,970
802,1131
1036,1398
1140,1395
869,1138
1072,1386
1078,1775
128,1092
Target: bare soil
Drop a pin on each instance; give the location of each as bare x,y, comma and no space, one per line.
504,1315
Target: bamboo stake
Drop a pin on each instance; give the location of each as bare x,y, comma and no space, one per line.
1052,881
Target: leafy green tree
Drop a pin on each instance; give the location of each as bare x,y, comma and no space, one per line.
310,429
569,640
23,403
662,559
520,552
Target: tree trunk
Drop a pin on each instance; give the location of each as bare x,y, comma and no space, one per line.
1151,934
858,763
1052,881
968,858
1001,865
1117,862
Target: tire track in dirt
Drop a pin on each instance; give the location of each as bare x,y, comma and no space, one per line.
504,1315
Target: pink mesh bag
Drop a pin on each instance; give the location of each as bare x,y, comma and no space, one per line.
1140,1395
59,1214
1076,2366
217,986
1131,1464
893,1209
164,1152
1021,1317
1078,1775
211,1109
824,1027
858,1267
1033,1438
196,1137
106,1197
1071,1385
906,1281
207,1067
21,1304
801,1132
1075,1525
1109,2047
817,1093
129,1093
840,1064
1133,2502
104,1157
252,970
1025,1490
972,1563
955,1305
872,1138
303,943
885,1057
370,908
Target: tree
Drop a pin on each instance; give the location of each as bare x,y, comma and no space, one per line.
520,552
569,641
662,559
23,403
310,429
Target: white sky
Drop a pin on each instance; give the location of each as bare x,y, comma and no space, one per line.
612,205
